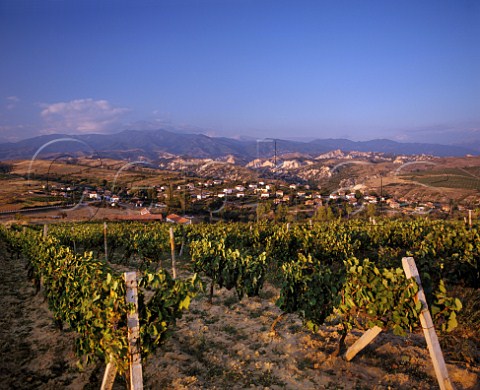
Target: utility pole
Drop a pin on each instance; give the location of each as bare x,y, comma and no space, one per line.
184,191
275,155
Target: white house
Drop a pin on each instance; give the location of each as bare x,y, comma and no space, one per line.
93,195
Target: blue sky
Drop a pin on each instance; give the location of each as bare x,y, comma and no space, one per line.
405,70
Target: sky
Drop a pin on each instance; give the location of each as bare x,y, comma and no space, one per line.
404,70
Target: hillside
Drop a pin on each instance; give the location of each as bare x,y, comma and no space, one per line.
153,145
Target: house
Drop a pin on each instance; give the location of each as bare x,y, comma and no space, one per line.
240,188
279,193
370,199
240,194
174,218
264,195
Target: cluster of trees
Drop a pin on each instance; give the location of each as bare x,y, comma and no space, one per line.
5,168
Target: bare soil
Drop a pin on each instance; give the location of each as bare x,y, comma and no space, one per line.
226,345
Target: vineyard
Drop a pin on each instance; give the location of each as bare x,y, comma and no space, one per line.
326,283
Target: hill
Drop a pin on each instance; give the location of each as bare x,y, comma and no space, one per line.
154,145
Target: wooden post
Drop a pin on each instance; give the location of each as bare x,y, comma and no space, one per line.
362,342
470,218
183,242
433,345
105,240
172,247
133,323
74,244
45,230
109,376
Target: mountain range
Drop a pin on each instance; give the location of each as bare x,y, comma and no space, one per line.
157,144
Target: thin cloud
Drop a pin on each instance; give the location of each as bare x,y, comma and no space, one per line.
82,116
12,102
460,133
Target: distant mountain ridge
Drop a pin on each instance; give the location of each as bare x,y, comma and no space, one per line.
153,144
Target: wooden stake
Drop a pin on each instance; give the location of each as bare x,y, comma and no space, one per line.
172,247
105,240
133,323
74,244
470,218
109,376
45,230
433,345
183,242
362,342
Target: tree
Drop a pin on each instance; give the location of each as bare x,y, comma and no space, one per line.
348,210
152,194
263,210
281,213
323,214
370,210
5,168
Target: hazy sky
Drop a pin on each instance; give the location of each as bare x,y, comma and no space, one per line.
406,70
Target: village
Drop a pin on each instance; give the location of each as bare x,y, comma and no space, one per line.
196,198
